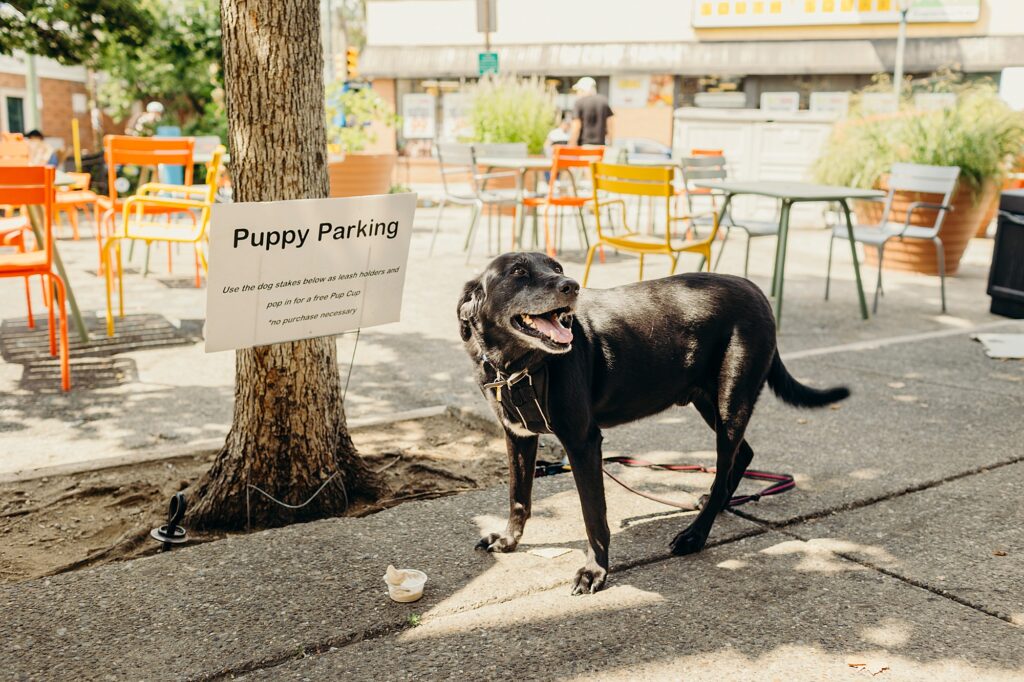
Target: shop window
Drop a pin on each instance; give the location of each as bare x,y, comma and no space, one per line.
13,114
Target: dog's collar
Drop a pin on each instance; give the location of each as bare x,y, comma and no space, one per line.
523,395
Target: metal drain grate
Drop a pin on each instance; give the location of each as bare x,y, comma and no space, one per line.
21,345
86,373
181,282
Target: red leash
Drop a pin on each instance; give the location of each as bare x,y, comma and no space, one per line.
780,483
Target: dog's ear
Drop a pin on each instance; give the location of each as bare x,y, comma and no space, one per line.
469,306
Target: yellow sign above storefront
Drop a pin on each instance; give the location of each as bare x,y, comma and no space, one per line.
742,13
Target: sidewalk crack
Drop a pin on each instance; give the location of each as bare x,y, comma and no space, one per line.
867,502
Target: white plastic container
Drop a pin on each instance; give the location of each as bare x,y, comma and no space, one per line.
405,584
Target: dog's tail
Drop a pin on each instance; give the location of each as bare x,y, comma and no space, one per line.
793,392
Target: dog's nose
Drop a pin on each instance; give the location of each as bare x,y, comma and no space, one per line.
569,287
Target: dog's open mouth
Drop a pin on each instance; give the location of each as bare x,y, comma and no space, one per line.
553,327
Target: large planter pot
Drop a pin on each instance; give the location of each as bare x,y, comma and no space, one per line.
918,255
360,174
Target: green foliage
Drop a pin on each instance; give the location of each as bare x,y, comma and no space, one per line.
74,31
179,65
357,108
980,134
510,109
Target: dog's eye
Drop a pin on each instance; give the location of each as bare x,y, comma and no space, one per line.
519,271
558,269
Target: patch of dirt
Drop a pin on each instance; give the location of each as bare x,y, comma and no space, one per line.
56,524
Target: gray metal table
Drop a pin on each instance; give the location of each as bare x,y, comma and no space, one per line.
789,193
521,164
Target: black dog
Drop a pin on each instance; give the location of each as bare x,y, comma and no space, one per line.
552,359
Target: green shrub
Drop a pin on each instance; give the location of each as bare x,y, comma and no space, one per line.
980,134
510,109
357,109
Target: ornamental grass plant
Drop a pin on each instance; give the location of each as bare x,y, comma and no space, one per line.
510,109
979,133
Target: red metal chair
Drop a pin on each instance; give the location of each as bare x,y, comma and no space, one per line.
33,186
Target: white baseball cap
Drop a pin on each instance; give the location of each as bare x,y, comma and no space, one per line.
155,108
586,84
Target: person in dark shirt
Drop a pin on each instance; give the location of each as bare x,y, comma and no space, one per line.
592,117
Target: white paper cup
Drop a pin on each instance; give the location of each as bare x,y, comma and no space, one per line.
410,589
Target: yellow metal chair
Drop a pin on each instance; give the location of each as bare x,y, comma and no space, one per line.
654,182
140,223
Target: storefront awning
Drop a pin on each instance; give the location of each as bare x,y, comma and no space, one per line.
982,54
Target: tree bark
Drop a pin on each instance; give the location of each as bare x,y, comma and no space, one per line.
288,434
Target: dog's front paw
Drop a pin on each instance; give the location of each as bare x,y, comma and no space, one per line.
589,579
496,542
688,542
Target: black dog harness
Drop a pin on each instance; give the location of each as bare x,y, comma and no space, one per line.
523,396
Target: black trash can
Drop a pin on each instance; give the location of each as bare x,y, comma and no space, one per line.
1006,278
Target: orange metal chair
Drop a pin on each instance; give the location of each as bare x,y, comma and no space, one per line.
563,160
654,182
147,152
33,186
136,227
77,197
15,232
14,152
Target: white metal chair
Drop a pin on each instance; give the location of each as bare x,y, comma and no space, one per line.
906,177
460,159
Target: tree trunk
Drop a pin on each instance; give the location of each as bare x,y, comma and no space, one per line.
288,434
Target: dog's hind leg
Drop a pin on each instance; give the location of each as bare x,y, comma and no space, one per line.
522,462
743,456
734,455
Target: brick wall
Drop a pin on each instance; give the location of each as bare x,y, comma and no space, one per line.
56,111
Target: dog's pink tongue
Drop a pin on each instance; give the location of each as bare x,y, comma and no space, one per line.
553,329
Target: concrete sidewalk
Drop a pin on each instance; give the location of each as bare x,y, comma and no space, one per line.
901,549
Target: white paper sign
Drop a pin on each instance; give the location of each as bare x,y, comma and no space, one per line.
455,109
288,270
780,101
629,92
934,101
838,102
873,103
419,116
